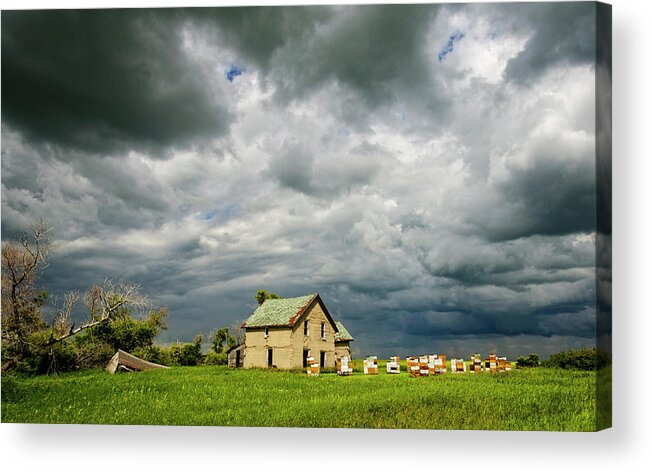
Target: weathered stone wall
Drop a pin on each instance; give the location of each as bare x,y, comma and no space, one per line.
342,349
257,344
313,341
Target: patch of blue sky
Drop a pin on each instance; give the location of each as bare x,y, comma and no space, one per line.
233,72
454,38
222,213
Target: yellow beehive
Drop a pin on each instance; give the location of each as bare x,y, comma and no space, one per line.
423,363
440,366
413,366
475,363
370,365
457,365
503,364
312,367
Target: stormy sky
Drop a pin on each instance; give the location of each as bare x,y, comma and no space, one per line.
429,170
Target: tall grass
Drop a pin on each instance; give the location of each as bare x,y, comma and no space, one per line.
531,399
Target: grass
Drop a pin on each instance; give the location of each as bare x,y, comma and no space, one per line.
527,399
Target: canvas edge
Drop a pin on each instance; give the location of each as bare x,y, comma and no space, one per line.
603,239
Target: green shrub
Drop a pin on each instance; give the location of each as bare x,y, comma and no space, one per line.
214,358
585,359
94,354
187,354
528,361
156,354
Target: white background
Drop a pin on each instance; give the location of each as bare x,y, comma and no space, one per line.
626,446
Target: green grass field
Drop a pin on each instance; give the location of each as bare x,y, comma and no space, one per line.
528,399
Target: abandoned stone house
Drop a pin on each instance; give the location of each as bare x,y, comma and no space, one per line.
284,333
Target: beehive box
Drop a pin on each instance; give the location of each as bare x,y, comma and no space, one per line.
503,364
370,365
440,366
344,367
491,364
413,366
423,363
393,365
457,365
475,363
312,367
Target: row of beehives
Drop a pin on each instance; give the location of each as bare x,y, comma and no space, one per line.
423,365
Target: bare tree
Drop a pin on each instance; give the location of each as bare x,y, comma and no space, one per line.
23,260
238,332
106,302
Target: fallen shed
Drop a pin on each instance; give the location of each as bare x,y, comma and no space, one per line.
125,361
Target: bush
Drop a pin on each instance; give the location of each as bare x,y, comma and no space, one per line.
190,354
529,361
156,354
585,359
94,354
214,358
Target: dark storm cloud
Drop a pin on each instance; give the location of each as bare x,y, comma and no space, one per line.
548,199
433,205
377,51
563,33
259,32
104,80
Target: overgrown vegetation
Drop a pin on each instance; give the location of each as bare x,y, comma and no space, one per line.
528,361
32,345
524,399
585,359
262,295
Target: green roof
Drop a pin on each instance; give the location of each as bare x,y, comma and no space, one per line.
279,312
342,334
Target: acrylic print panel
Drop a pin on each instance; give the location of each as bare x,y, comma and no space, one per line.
379,216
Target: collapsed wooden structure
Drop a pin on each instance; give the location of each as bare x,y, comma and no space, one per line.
127,362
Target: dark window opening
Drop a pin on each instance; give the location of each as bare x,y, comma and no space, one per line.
322,330
270,357
305,331
322,360
306,354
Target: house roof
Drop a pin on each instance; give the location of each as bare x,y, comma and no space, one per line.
282,312
342,334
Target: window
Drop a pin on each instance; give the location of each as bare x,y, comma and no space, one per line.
266,332
270,357
322,330
322,360
306,355
305,329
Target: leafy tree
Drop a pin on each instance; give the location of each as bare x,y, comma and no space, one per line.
222,340
99,343
190,353
528,361
582,359
262,295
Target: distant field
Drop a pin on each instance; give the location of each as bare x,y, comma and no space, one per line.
529,399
